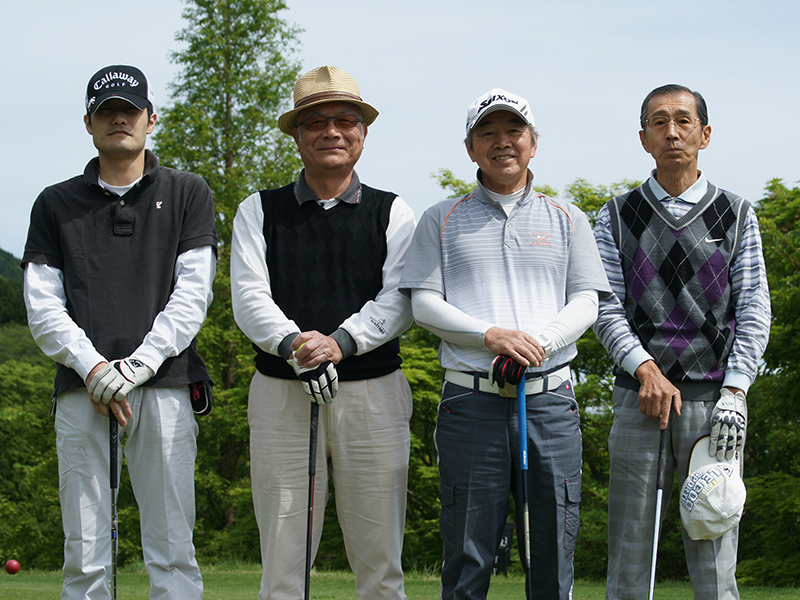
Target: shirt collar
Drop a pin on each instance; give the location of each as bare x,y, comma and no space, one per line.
485,194
303,193
692,195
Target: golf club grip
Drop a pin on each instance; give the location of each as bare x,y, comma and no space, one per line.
662,459
113,435
312,441
523,426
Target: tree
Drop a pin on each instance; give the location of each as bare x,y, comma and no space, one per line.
769,552
12,305
237,76
590,198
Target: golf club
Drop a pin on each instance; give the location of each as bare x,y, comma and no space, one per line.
312,472
113,430
522,418
661,479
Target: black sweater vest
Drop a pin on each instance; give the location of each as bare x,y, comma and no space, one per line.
324,265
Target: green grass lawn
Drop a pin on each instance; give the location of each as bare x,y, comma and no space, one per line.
240,582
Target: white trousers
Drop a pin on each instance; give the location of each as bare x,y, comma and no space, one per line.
363,445
160,448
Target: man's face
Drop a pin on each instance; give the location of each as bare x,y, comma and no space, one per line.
331,148
672,147
118,128
501,146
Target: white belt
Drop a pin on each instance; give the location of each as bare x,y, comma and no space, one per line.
534,383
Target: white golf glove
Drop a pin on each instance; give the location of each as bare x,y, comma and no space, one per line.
728,425
320,382
118,378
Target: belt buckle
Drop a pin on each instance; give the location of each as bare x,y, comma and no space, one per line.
509,390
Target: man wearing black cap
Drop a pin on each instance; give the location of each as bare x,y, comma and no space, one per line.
119,264
314,272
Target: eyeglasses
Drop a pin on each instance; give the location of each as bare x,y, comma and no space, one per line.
318,122
683,123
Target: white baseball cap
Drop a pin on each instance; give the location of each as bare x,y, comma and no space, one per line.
498,99
713,495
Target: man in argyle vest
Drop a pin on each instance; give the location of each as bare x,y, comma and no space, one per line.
686,327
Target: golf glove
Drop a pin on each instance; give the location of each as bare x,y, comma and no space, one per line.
321,382
728,425
507,370
118,378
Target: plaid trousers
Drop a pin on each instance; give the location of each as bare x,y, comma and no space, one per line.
633,448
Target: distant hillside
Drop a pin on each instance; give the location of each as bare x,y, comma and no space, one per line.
9,266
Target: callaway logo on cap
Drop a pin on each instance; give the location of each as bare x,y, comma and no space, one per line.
119,81
497,99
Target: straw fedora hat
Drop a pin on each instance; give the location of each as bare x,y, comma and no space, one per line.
325,84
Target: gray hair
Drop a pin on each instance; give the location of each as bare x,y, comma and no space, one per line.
674,88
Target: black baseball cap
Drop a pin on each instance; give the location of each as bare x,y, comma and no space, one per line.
119,81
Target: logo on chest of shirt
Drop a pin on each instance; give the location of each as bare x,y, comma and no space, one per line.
541,238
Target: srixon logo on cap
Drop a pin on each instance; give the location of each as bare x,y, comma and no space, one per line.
495,98
114,79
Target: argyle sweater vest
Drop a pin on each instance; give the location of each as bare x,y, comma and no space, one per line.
677,277
324,266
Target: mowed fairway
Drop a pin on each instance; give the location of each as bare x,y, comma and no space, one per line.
241,582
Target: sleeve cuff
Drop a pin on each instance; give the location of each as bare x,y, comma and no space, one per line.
736,379
285,347
635,358
87,361
346,342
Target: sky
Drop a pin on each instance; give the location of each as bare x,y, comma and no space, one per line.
584,67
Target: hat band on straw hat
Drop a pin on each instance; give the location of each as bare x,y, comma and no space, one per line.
328,97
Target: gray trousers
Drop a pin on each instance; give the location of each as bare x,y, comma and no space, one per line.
477,451
633,448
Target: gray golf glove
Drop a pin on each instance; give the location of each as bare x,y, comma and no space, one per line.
118,378
728,425
320,382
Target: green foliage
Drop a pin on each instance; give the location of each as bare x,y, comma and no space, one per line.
770,549
449,182
591,198
226,527
9,266
423,547
30,519
12,305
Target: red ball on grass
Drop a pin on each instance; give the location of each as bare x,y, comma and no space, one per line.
12,566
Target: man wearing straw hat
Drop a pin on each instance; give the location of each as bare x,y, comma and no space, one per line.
314,273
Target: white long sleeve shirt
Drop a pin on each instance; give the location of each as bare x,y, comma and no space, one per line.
173,329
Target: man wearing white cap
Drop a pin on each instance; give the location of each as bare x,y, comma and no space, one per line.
119,264
509,279
314,273
687,325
